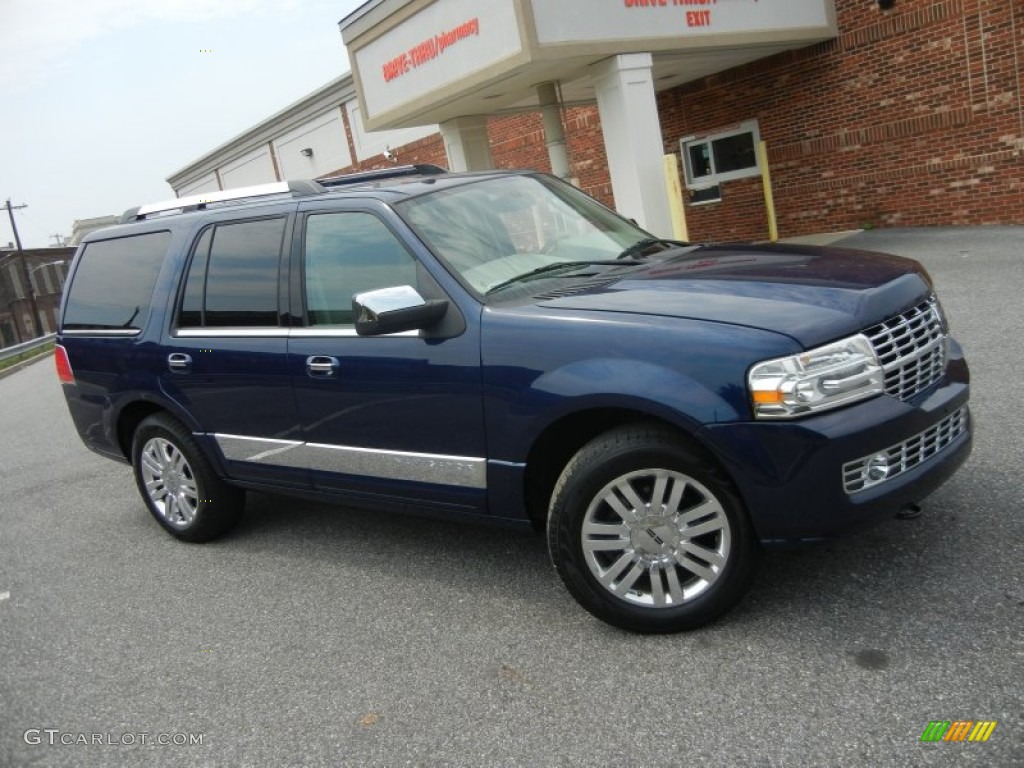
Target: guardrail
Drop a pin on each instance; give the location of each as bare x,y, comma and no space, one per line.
27,346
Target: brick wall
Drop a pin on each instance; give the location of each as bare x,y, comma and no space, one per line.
518,141
911,117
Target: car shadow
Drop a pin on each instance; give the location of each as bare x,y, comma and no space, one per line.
871,580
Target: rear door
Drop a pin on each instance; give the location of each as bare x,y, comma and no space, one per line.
396,417
227,351
106,311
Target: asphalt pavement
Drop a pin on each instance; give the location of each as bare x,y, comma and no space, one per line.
319,636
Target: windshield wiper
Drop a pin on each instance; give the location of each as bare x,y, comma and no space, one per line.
548,268
642,245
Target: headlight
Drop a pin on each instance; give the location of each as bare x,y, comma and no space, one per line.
817,380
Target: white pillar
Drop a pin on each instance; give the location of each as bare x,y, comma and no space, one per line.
554,133
467,145
632,139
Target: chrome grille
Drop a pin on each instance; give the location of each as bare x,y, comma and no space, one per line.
911,348
906,455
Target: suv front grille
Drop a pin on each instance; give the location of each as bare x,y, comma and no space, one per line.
912,349
906,455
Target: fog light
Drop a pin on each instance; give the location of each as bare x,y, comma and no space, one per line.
876,470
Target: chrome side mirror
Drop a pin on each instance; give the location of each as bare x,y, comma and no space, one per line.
394,310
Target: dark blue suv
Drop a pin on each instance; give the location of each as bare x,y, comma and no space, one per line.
501,347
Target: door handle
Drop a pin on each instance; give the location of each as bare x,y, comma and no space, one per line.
179,361
321,365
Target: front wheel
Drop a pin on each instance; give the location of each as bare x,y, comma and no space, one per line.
649,535
178,483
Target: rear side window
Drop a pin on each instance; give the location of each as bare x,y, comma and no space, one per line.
233,277
113,283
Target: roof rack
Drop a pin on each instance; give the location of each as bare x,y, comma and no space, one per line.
296,188
420,169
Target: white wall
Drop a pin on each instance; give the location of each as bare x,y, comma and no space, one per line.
373,143
256,167
584,20
206,184
325,135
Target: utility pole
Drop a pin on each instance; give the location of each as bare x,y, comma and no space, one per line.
60,240
24,270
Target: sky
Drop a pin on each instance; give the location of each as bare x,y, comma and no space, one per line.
102,100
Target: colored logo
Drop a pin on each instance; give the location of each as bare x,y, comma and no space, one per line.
958,730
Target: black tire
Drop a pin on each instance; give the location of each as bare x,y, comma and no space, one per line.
712,569
178,483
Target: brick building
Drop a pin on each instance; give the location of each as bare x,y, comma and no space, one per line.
31,281
909,116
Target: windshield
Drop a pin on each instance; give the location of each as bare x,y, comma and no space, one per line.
493,231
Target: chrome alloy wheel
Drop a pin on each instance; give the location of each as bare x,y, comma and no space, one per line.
656,538
170,483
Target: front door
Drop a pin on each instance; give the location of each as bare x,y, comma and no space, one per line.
389,418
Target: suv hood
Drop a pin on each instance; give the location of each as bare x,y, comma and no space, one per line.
812,294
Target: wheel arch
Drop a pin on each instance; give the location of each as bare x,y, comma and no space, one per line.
132,413
551,451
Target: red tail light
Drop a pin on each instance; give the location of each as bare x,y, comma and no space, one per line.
64,372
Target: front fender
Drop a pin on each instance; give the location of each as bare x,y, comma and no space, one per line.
635,385
540,366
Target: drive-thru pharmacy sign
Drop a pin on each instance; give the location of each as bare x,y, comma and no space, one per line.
442,44
417,61
429,49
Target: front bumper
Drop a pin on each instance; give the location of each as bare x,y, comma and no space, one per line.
791,474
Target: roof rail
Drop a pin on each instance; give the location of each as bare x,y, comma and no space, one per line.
296,188
420,169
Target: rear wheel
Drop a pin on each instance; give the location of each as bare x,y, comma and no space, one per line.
648,534
178,483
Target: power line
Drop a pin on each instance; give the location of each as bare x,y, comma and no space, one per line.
10,215
24,267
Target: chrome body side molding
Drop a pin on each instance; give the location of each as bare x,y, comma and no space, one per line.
436,469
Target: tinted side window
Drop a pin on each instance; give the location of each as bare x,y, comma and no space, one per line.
346,254
233,277
113,284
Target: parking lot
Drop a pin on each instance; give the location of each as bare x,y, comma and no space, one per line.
318,636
